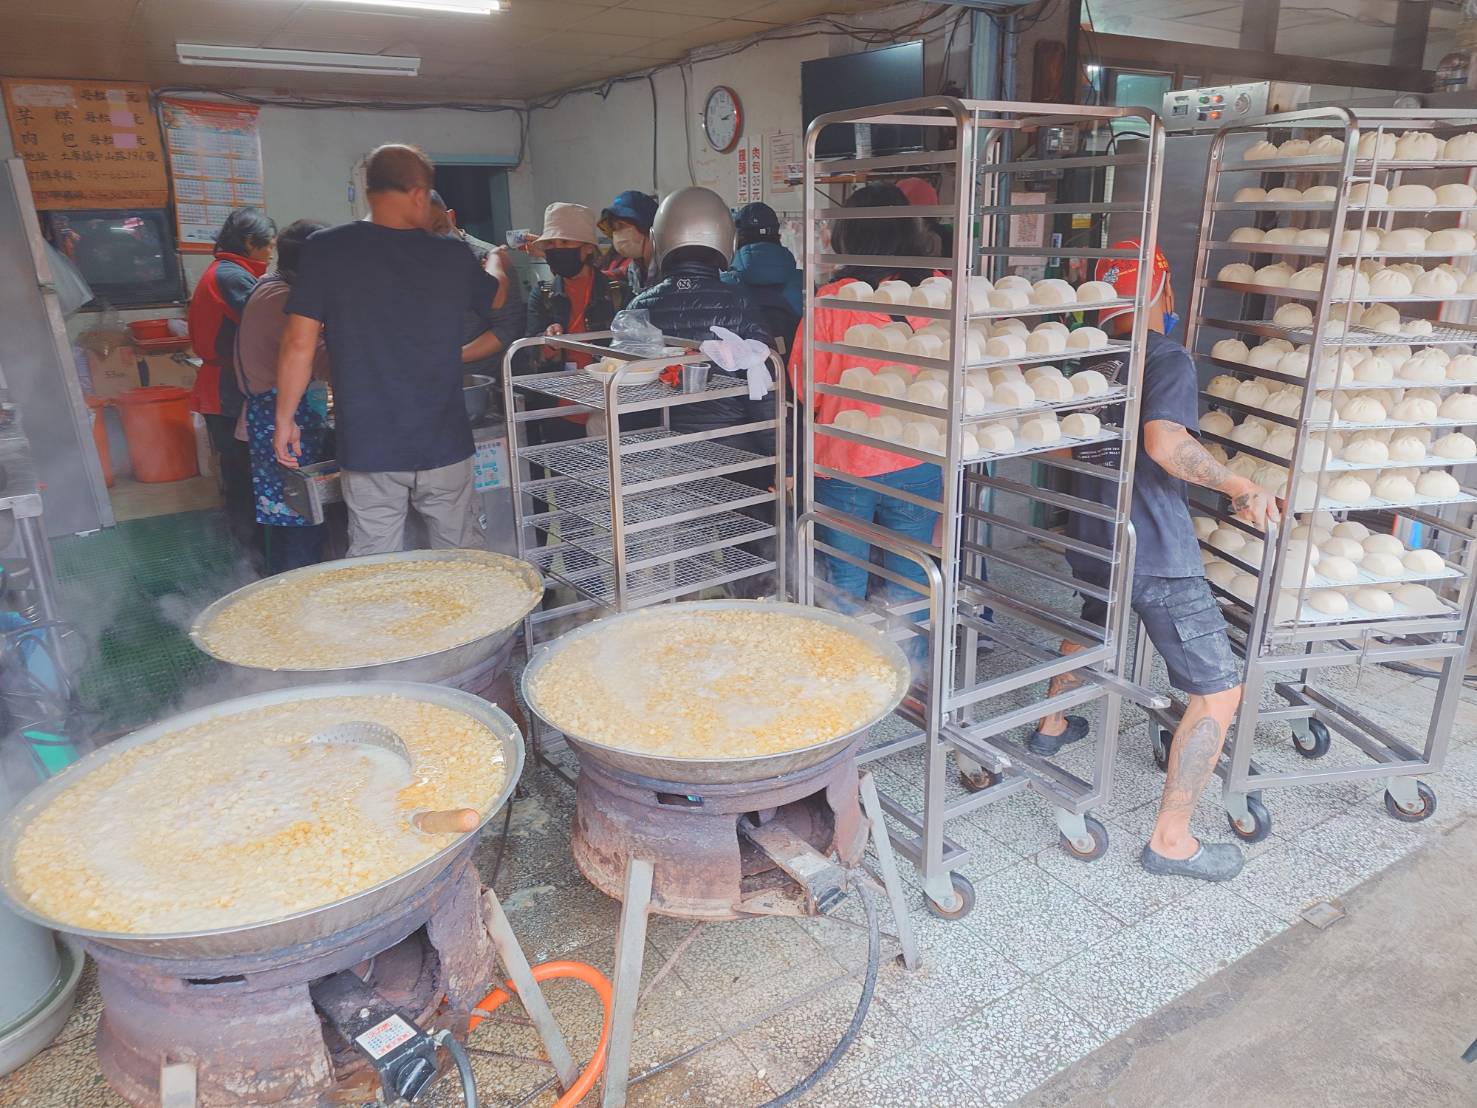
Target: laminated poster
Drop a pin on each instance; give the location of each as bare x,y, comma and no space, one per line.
216,155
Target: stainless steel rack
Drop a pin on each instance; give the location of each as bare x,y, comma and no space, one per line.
1277,629
629,518
991,574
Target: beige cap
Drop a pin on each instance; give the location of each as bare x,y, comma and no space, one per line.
574,222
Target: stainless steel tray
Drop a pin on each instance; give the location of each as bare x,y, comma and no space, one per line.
431,666
301,927
720,771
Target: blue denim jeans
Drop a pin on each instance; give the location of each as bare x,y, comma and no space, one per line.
890,512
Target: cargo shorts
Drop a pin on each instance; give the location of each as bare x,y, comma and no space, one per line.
1185,624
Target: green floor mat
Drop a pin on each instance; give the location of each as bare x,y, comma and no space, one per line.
131,591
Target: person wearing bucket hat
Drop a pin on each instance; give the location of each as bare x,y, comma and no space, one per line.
1170,596
577,299
628,223
765,266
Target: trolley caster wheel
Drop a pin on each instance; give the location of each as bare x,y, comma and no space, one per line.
1261,821
1160,743
1312,742
1428,805
978,782
964,899
1099,846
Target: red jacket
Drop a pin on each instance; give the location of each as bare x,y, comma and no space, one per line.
830,326
215,313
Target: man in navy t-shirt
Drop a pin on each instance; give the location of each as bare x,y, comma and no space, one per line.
389,299
1169,593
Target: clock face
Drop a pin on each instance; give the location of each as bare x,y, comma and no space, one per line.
723,119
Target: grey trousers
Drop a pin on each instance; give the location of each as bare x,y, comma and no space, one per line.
378,504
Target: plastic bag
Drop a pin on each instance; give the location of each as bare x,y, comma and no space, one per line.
72,289
633,333
733,354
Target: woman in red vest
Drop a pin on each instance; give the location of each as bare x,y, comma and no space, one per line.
242,250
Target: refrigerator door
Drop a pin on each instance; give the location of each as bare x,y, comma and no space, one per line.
36,361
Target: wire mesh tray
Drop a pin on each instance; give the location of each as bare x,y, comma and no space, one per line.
883,307
1107,434
588,459
682,577
1295,250
1377,504
650,548
1442,334
1307,615
1115,395
1317,581
1287,292
652,508
579,388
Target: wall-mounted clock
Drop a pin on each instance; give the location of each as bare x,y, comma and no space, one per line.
723,119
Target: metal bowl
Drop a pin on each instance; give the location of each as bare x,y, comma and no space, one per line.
286,931
721,771
476,395
432,666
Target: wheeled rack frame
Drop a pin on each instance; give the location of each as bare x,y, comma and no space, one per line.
1278,631
998,512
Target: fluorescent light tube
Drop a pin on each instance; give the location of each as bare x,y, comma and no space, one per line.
456,7
307,61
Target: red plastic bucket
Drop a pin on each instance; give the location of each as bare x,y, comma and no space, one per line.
96,405
161,442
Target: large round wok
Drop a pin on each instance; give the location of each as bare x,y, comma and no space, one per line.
720,771
431,666
300,927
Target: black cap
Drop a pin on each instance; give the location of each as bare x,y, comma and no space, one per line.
757,221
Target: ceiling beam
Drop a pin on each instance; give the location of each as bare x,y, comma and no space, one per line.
1157,54
1412,22
1259,25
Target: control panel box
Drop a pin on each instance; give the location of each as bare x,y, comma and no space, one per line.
1210,109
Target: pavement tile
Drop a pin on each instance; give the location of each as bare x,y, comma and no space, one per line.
1116,882
788,1046
1364,840
1034,920
1121,980
1290,877
914,1079
1010,1047
1211,928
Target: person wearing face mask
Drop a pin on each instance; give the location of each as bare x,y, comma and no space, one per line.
628,223
577,300
388,297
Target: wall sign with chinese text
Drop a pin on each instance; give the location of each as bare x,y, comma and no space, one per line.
216,154
87,144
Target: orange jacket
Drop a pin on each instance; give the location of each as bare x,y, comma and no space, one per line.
830,326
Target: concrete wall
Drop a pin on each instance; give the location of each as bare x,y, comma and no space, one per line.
588,149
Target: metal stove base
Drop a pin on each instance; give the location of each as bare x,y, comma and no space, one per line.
704,868
246,1030
655,863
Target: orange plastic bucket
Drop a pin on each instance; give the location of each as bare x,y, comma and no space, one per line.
161,441
100,436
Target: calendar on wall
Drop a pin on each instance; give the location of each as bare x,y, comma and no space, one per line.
215,156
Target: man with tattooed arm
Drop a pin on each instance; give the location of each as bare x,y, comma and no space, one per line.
1170,594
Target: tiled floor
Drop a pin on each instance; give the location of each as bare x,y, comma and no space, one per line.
1058,956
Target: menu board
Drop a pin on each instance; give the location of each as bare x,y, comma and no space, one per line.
215,153
87,144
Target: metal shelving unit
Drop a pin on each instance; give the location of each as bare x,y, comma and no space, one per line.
1278,631
999,511
630,518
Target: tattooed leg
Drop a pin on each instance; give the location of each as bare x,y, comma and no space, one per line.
1192,759
1056,723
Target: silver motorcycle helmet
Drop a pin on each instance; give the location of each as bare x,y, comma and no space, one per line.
693,216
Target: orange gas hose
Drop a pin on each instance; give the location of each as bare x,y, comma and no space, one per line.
547,971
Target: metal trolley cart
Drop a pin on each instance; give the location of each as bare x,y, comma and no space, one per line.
632,517
1392,378
997,514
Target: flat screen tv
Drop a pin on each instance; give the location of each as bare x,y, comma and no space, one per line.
859,80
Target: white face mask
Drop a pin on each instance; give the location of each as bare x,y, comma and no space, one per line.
628,242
